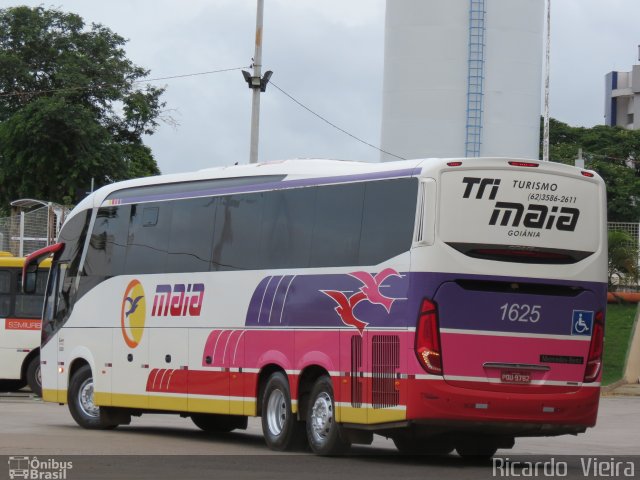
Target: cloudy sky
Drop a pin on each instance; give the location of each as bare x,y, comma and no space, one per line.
329,55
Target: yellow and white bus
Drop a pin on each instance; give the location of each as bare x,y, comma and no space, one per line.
20,317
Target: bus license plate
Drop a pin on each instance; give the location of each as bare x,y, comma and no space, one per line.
515,377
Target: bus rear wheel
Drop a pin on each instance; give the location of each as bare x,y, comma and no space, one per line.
81,404
34,377
212,423
280,427
323,432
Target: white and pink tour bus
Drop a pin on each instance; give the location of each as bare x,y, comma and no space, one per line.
442,303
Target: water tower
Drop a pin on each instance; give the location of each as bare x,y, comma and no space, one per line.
462,78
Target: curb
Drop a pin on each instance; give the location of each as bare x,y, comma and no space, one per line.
614,385
609,389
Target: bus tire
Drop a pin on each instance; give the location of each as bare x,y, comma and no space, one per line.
280,427
80,399
213,423
34,378
324,434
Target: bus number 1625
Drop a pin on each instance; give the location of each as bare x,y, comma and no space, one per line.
521,313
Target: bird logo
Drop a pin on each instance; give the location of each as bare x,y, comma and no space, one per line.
134,304
370,291
345,308
371,286
133,314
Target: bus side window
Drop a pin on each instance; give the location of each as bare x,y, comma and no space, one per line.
237,232
388,219
191,237
287,226
148,239
30,305
107,245
5,293
338,220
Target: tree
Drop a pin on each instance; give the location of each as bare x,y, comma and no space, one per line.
70,107
623,258
614,153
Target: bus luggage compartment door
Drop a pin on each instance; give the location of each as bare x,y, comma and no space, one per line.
503,336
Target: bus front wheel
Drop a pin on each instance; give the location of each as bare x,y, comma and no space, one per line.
281,428
34,378
81,404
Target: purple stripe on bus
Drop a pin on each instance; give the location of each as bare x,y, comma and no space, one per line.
261,187
256,299
267,302
278,303
306,304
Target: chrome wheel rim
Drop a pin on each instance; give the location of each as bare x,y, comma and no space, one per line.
85,399
39,376
276,412
321,417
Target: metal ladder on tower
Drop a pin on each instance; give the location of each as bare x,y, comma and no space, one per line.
475,78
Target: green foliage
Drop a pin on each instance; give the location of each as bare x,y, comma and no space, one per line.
70,107
623,258
619,324
610,151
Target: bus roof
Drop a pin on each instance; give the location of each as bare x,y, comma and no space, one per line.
300,169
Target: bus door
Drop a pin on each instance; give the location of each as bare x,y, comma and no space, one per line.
169,358
131,369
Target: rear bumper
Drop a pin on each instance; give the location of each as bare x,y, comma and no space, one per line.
451,408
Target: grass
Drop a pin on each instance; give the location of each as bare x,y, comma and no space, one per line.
619,322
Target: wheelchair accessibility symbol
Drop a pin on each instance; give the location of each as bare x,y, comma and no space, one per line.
582,322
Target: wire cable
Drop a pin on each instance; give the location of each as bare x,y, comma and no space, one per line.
103,85
333,124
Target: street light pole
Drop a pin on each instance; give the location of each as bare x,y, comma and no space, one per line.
255,85
545,136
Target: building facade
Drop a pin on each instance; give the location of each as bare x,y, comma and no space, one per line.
462,78
622,99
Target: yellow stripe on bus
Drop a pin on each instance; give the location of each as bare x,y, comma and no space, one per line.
56,396
344,414
369,416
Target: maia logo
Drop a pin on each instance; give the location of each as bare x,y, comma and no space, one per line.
133,314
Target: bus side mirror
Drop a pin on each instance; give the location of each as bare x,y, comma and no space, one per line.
32,262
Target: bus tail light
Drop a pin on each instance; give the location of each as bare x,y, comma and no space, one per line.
594,362
428,338
524,164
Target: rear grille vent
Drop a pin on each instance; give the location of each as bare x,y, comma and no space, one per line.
385,355
356,368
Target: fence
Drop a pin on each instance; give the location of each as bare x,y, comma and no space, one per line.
26,232
627,282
